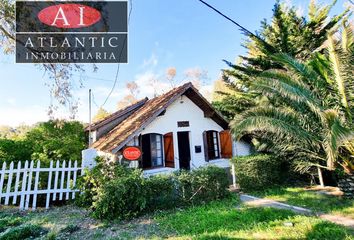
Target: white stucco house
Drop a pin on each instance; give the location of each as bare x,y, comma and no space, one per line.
177,130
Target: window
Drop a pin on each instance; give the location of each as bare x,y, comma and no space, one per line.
152,150
211,145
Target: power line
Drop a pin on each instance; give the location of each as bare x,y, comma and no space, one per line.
228,18
245,30
118,67
94,101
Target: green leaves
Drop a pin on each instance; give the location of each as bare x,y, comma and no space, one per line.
284,124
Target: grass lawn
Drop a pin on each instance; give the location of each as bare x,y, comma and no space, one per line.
225,219
221,220
310,199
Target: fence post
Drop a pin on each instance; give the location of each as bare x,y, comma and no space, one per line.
17,181
23,189
9,182
62,181
2,178
233,175
56,180
88,159
74,179
67,194
29,186
47,200
36,180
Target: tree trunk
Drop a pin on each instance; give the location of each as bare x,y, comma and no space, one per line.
320,177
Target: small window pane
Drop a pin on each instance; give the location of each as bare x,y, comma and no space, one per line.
213,144
156,150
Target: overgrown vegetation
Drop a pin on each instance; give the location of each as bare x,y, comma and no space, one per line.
297,84
22,232
228,219
222,219
52,140
113,191
259,171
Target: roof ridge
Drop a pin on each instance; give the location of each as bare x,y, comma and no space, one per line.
122,110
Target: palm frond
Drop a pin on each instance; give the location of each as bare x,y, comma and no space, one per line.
308,75
288,87
278,121
341,75
336,135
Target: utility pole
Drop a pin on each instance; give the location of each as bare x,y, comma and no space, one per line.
90,137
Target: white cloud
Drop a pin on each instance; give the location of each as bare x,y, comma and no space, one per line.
151,62
207,91
150,83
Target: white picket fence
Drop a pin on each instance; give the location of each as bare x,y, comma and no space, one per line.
22,183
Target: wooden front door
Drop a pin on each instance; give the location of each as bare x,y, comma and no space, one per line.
168,149
226,144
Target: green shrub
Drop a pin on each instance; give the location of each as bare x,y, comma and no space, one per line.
14,150
202,185
121,198
92,181
257,171
22,232
160,192
113,191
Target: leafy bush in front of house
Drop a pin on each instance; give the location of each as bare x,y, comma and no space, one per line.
202,185
121,198
161,192
257,171
23,232
113,191
92,182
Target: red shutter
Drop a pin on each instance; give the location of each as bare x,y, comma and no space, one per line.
206,150
169,152
226,144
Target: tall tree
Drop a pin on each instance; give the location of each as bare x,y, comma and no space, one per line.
289,33
310,112
57,140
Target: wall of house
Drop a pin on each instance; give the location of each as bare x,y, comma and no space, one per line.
185,110
241,148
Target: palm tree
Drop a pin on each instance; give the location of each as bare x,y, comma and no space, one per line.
287,32
310,106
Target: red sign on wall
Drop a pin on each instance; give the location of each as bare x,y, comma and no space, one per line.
132,153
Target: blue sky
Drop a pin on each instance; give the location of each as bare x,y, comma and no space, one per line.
162,33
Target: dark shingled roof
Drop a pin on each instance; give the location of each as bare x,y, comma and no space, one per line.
117,114
124,132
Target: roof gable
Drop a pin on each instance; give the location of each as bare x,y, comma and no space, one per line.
151,109
118,114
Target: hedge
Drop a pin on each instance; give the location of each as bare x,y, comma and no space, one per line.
256,172
117,192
